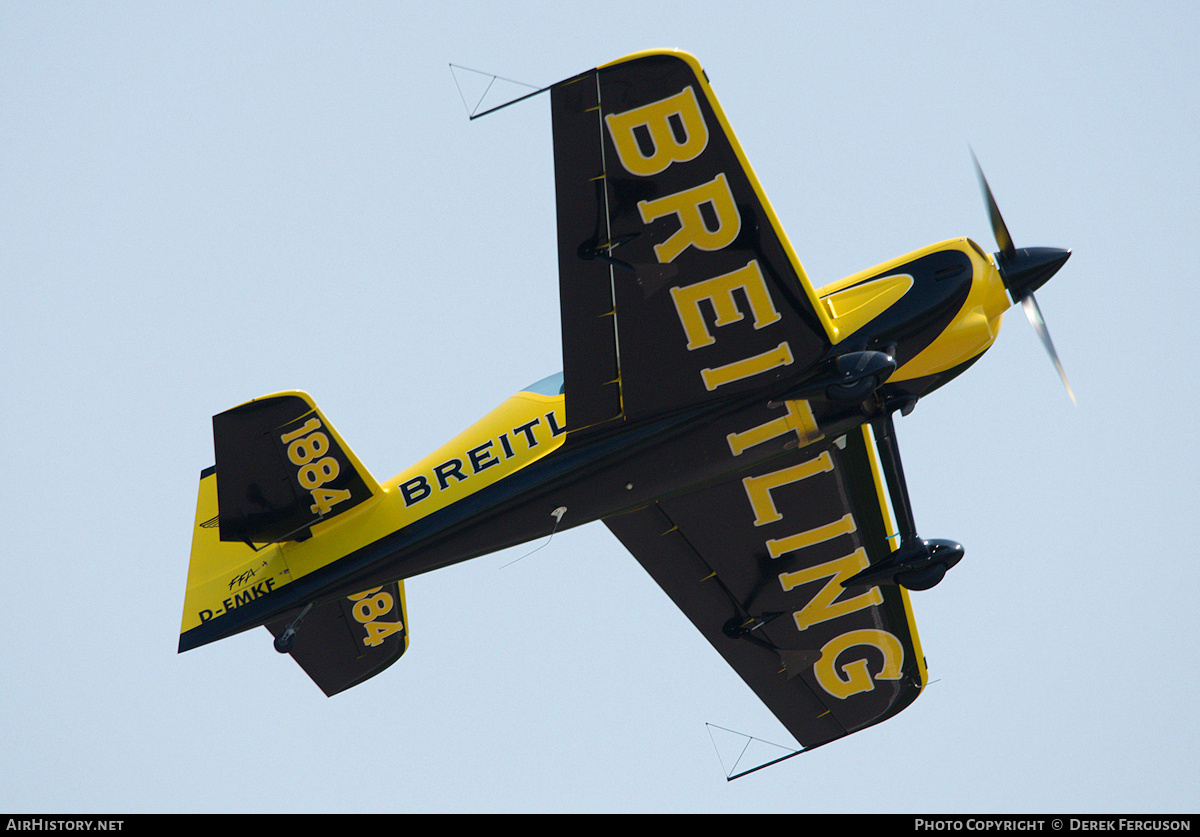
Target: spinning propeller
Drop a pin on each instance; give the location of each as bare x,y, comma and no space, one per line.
1024,271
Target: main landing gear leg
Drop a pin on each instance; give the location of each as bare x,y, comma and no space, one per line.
918,564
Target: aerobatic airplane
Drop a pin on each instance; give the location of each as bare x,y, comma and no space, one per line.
731,424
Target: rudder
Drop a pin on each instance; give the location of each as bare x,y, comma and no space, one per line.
282,469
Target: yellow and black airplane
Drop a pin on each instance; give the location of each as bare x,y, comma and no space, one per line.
730,423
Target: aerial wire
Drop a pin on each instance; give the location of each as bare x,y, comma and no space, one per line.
557,514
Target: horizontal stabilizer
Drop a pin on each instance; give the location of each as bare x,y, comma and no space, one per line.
343,642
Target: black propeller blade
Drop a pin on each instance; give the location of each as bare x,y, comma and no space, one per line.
1024,271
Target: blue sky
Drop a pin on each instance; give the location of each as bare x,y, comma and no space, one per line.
201,203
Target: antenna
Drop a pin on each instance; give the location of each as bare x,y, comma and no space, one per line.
557,514
483,86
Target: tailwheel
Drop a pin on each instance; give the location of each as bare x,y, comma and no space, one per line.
286,641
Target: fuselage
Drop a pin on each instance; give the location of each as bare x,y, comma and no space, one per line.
501,481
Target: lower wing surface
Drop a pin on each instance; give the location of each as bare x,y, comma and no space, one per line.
672,265
756,562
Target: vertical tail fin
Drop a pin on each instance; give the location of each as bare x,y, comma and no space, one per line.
282,467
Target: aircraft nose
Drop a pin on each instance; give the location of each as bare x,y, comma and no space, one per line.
1027,269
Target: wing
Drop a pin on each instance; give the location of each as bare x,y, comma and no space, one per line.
672,265
756,563
349,640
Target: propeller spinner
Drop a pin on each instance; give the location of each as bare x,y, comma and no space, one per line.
1024,271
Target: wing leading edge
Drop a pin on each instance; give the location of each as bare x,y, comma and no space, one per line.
756,563
672,265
